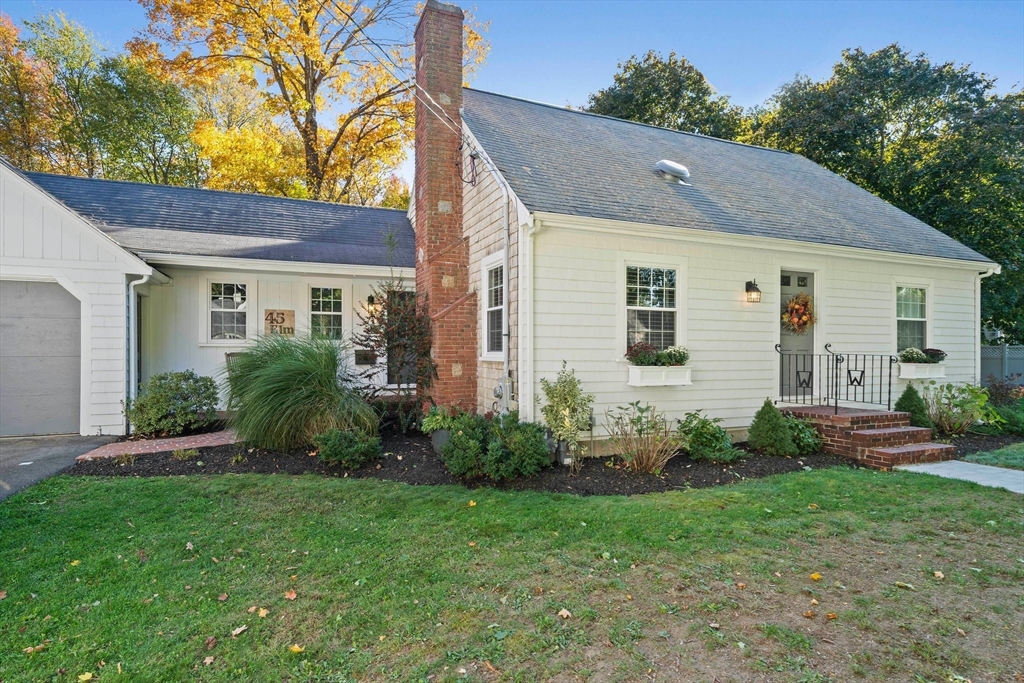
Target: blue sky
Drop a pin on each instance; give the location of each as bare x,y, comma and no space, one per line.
560,52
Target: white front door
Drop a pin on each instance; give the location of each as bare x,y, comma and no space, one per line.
798,367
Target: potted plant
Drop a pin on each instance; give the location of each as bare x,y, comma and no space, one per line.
438,424
918,364
649,367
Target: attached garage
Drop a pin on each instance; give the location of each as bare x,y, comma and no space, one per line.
40,359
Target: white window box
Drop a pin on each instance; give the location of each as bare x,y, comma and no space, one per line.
659,376
922,370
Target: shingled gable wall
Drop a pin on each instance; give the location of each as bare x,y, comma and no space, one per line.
442,251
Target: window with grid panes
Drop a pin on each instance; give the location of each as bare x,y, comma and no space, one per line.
911,318
228,306
495,309
325,312
651,306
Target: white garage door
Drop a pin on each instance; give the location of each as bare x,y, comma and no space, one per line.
40,359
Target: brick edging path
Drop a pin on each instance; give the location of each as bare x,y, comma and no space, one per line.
112,450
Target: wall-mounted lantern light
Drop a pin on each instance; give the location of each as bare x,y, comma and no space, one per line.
371,305
753,292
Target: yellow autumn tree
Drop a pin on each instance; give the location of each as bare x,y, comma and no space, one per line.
337,72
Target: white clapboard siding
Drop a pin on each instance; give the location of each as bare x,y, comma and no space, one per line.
579,314
175,331
41,239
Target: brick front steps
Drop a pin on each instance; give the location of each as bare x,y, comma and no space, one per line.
877,438
112,450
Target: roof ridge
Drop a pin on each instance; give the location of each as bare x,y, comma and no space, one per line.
583,112
253,195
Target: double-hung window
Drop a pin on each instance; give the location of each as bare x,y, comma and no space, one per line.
651,306
494,305
228,306
911,318
326,311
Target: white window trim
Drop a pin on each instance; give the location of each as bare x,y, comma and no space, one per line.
679,264
487,264
250,299
346,305
929,305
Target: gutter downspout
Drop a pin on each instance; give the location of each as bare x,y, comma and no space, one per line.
133,336
507,241
993,270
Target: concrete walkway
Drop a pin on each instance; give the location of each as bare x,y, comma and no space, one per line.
112,450
986,475
27,460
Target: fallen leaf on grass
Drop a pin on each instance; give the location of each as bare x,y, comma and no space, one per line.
809,614
472,544
472,504
87,676
75,563
222,597
238,630
211,643
741,586
296,648
189,546
939,575
263,612
564,613
252,609
812,506
815,576
831,615
3,595
37,648
962,632
813,601
906,586
289,595
714,625
208,661
215,560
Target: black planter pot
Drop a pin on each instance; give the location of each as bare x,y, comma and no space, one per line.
439,438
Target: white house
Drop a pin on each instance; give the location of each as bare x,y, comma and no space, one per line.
105,283
582,234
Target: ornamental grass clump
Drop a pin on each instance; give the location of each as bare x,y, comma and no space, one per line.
910,401
284,391
770,433
642,437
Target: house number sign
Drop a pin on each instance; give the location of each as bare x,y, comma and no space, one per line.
279,322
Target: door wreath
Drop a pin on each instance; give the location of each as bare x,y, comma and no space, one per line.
799,314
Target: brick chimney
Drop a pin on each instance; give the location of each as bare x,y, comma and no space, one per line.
442,252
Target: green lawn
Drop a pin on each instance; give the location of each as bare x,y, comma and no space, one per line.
1011,456
393,582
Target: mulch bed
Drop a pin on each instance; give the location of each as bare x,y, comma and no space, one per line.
410,459
975,443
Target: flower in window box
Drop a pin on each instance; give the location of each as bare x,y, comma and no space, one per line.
913,355
642,353
935,355
673,355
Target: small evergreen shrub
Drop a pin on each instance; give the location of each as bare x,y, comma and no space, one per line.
703,439
499,448
770,433
173,403
910,401
438,418
805,437
350,449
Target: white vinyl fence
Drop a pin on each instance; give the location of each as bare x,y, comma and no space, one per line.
1002,362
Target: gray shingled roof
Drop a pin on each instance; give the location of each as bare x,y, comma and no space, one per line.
563,161
181,220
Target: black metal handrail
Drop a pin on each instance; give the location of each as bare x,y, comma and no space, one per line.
825,379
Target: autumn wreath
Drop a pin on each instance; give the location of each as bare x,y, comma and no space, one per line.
799,314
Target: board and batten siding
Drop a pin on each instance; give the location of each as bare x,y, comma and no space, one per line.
482,221
175,317
579,314
42,240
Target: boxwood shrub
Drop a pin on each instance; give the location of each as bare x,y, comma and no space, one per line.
173,403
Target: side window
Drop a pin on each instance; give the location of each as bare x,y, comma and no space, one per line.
651,306
228,307
495,313
325,312
911,318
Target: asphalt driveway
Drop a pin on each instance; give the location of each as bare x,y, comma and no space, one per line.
25,461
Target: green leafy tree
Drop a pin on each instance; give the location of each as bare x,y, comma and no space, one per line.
670,93
936,140
143,125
